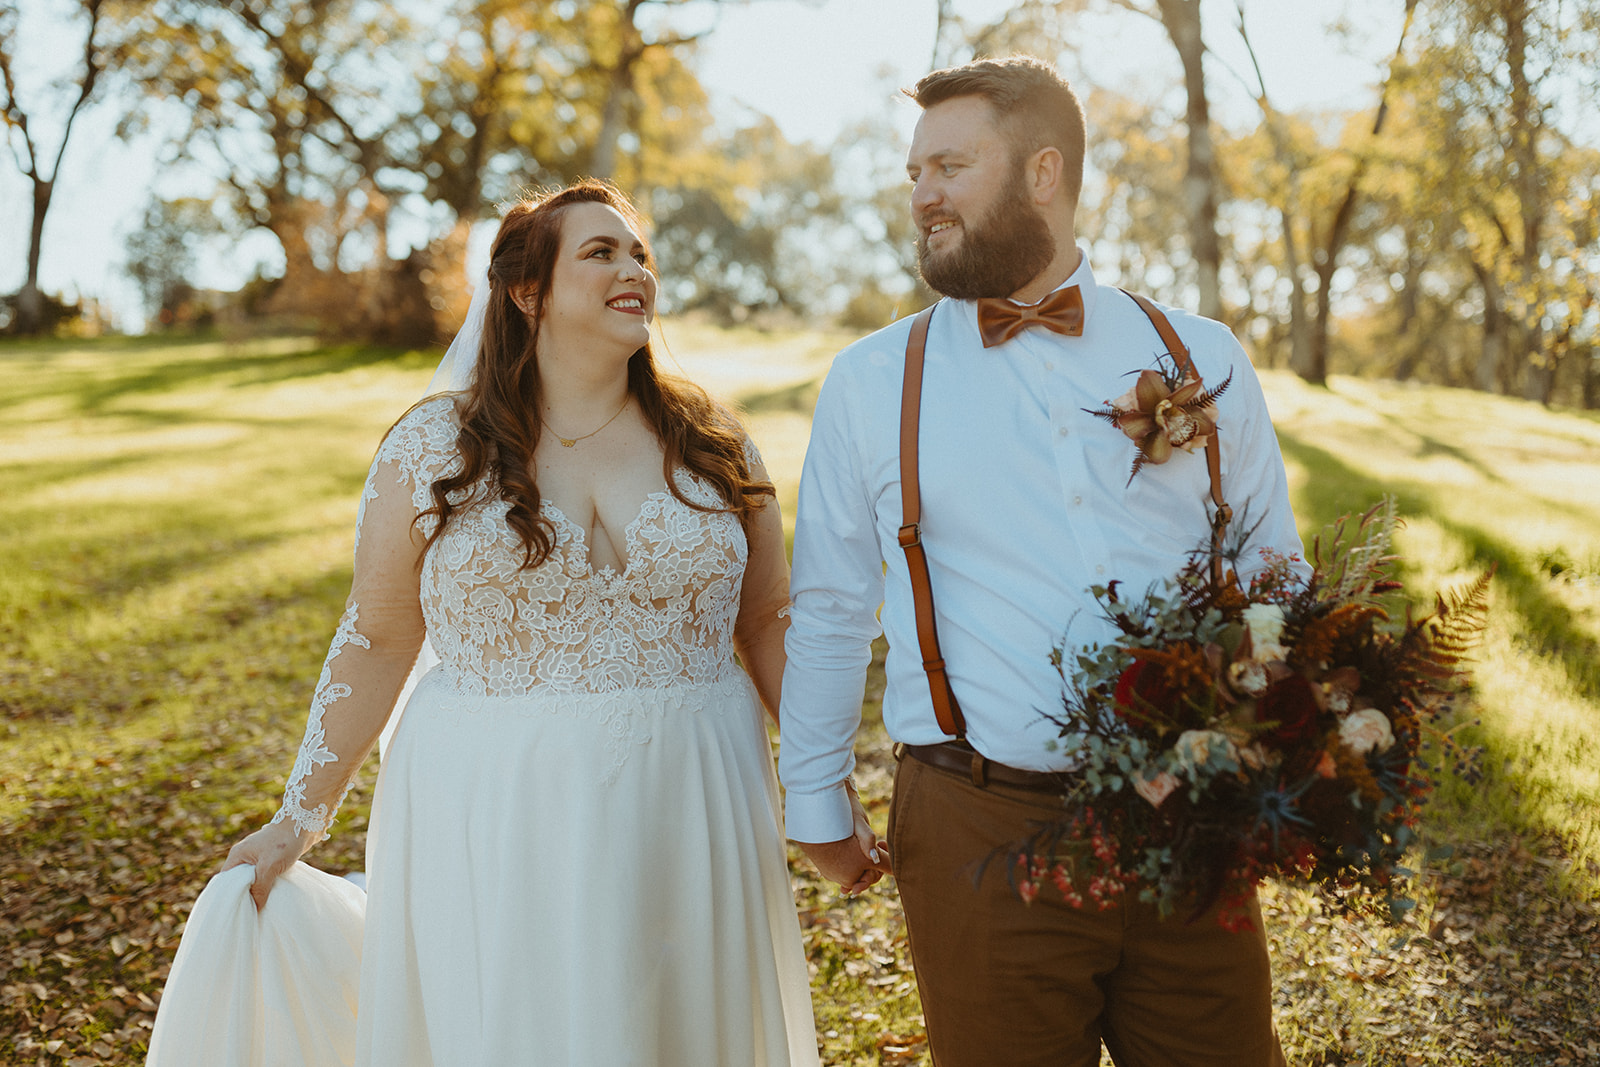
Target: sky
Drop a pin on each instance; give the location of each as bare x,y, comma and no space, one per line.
814,66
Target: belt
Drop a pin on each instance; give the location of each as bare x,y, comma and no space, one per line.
958,757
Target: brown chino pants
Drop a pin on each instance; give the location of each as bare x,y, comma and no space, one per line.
1007,984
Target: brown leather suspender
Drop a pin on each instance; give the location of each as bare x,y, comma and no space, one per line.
1180,352
945,707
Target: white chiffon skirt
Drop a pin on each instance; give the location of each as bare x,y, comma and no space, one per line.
583,880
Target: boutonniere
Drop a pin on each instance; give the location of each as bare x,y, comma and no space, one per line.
1164,410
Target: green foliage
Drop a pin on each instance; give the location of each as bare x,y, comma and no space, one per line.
325,129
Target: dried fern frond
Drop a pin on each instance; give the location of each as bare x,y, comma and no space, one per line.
1456,627
1209,396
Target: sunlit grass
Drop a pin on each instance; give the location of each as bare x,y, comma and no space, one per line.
1483,481
165,506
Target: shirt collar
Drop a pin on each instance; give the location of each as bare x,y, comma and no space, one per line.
1083,278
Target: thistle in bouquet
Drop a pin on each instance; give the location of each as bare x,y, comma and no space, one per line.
1272,729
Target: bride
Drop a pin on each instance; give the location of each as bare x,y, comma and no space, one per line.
575,854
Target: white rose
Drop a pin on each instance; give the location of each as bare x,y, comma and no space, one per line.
1265,623
1194,747
1248,677
1156,789
1365,730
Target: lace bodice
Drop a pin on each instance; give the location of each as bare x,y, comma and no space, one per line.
500,630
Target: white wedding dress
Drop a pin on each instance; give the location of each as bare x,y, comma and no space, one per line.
575,854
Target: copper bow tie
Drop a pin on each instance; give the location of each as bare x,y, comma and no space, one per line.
1061,312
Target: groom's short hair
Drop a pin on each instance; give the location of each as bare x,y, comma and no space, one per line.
1035,105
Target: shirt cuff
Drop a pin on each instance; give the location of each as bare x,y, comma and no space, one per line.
818,818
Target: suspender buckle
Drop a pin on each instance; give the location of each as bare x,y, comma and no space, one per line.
911,535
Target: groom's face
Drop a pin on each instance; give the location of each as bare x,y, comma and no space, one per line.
978,231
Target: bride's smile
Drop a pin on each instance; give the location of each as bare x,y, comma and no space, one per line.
602,295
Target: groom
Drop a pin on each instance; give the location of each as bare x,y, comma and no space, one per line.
1025,504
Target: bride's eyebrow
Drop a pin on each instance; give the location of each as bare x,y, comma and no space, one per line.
611,242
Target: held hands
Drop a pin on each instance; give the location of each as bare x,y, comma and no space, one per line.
272,850
857,862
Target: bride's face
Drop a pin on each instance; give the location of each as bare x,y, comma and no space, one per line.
602,288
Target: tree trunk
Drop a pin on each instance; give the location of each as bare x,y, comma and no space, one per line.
1317,363
1299,334
1327,257
945,18
1182,21
619,79
1492,356
1538,375
1408,301
603,160
30,302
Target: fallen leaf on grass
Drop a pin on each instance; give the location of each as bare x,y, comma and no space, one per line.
900,1048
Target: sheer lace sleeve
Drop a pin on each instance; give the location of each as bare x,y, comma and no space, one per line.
376,641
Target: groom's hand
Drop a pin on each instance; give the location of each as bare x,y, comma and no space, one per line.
848,864
855,862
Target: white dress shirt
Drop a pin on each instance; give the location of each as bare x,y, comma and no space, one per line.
1026,504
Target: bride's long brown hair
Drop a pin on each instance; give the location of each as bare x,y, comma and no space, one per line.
499,413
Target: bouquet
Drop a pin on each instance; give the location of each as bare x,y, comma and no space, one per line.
1237,732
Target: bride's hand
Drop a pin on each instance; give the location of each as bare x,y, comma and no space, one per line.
872,846
271,850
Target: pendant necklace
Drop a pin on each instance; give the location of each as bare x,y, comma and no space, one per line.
568,442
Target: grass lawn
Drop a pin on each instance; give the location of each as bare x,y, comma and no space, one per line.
176,550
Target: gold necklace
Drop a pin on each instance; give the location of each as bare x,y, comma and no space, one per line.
568,442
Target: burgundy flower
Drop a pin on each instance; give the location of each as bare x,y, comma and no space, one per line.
1290,706
1141,687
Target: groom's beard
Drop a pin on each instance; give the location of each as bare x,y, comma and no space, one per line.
998,254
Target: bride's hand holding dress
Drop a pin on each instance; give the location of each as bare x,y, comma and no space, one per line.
271,850
367,664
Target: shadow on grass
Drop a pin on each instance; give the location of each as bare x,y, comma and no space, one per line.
224,654
246,369
21,478
94,390
1342,489
801,397
1513,794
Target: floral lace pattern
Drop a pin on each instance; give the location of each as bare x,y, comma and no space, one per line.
314,751
565,626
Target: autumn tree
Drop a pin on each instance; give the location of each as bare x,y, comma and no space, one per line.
1328,229
28,143
305,113
328,126
1487,86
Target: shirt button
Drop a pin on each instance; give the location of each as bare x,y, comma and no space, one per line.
1077,501
1063,431
1049,365
1101,569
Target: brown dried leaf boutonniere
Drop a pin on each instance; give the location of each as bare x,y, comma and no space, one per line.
1164,410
